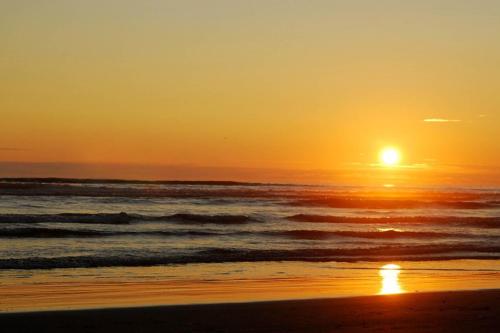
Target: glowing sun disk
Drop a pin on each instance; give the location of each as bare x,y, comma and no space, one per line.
389,156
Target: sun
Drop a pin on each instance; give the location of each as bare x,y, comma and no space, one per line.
390,156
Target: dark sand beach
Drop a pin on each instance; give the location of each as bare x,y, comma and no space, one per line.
466,311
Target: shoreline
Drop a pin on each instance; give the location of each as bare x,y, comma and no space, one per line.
74,289
457,311
236,302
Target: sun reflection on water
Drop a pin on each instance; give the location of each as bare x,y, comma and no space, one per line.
390,279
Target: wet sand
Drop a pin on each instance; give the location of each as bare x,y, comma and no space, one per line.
464,311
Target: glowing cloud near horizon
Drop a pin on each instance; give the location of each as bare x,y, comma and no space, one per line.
441,120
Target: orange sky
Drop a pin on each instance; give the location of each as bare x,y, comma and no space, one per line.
285,87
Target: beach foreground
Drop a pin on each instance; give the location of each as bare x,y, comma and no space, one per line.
465,311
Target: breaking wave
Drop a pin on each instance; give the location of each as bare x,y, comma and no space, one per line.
387,234
42,232
220,255
124,218
388,203
480,222
65,233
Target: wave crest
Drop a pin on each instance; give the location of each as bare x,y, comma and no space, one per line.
480,222
124,218
220,255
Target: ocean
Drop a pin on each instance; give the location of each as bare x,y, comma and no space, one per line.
63,231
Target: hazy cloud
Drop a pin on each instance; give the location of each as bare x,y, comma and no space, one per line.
441,120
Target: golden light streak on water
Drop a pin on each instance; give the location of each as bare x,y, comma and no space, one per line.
390,279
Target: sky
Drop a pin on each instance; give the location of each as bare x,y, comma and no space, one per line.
271,90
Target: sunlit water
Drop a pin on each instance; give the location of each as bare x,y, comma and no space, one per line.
171,244
390,279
